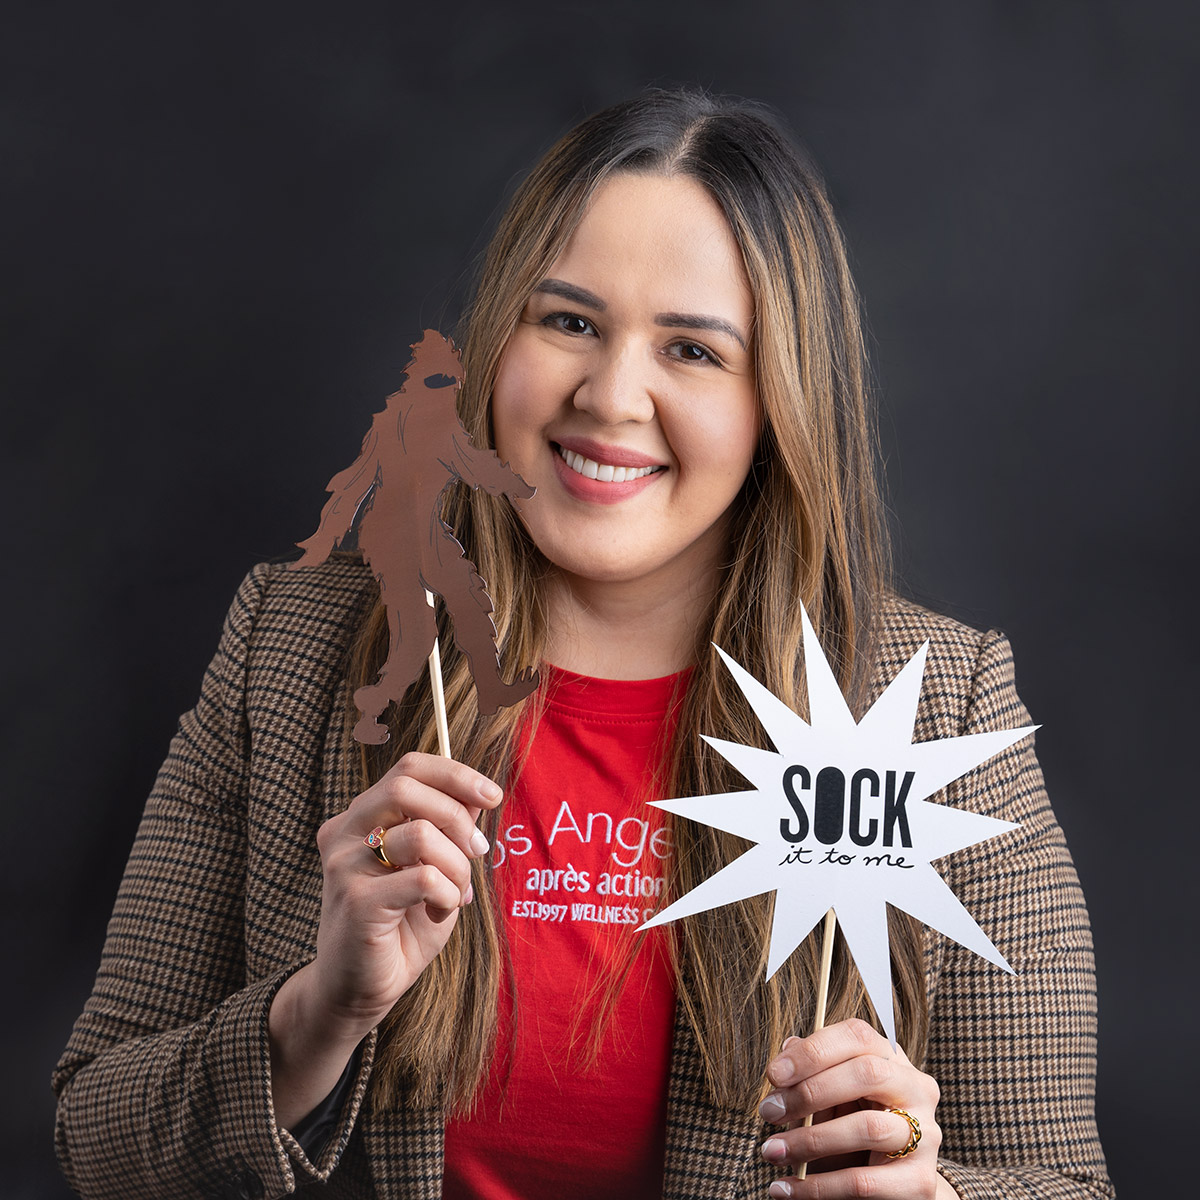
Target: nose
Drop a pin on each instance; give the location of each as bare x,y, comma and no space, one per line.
616,386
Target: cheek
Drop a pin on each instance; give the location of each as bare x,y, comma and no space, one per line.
725,449
508,419
519,407
744,435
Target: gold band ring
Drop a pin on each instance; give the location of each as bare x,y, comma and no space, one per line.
914,1133
374,839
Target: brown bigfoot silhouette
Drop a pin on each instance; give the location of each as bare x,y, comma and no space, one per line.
415,449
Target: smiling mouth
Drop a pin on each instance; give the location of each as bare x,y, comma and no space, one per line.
589,468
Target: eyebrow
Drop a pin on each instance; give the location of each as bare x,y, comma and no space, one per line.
674,320
568,291
668,320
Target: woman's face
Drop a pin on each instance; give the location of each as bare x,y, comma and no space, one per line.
626,394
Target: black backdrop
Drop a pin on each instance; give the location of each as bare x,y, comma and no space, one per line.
221,221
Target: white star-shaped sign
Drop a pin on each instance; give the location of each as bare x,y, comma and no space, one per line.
840,820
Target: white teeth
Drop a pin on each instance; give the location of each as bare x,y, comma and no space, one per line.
604,472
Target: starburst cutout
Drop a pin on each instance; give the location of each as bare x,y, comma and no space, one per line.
840,820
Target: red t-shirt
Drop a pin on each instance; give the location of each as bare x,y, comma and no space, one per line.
580,862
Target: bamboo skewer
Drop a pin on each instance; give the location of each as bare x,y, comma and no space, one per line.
439,694
822,1002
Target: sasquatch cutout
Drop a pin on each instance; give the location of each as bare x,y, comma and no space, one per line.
416,448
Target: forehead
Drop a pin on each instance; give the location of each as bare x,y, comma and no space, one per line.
661,240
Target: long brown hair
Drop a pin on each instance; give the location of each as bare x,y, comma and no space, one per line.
808,526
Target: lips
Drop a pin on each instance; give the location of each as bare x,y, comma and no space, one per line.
603,472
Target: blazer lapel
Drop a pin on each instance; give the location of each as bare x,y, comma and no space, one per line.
340,767
707,1147
404,1146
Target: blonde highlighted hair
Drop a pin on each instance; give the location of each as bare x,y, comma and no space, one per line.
808,527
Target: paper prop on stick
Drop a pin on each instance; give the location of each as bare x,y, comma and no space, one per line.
391,495
840,821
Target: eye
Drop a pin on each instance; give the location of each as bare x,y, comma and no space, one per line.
571,323
693,352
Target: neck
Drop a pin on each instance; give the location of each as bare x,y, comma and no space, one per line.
641,629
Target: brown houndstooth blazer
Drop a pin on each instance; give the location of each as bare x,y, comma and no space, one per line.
165,1085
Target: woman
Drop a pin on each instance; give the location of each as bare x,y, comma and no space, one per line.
665,341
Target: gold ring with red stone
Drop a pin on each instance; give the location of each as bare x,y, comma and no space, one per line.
374,840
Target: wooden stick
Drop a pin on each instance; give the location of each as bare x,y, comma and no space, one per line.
822,1002
439,694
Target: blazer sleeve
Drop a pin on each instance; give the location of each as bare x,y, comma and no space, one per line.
1015,1055
165,1087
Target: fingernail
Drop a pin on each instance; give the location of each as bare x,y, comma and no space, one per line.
772,1108
787,1041
469,894
774,1150
781,1070
489,790
479,844
780,1189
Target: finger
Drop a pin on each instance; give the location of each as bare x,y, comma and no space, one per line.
801,1058
888,1081
876,1131
420,842
841,1064
425,884
889,1181
402,798
437,914
448,775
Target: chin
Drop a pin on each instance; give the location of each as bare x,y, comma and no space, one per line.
599,570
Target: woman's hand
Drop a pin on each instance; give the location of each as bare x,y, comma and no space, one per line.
380,926
847,1076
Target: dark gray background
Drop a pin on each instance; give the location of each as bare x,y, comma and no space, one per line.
223,221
